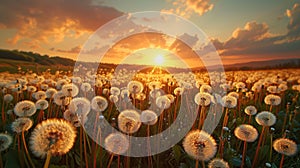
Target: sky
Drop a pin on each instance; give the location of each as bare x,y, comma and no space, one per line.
196,32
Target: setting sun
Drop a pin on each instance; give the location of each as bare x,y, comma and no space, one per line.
159,60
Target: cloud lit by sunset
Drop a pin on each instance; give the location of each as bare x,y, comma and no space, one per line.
240,31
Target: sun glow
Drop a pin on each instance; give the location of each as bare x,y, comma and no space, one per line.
159,60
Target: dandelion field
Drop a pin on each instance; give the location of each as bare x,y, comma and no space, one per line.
44,117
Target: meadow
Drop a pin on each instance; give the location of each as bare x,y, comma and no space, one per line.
45,114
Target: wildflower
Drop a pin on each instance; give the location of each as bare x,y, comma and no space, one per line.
200,145
41,104
202,99
44,86
21,124
115,91
218,163
72,118
116,143
272,100
273,89
80,105
155,93
31,89
250,110
163,102
154,85
265,118
56,136
99,103
205,88
282,87
25,108
129,121
171,97
113,98
8,98
85,87
135,87
148,117
285,146
60,99
240,85
234,94
140,96
50,93
5,140
60,83
178,91
246,132
229,101
70,90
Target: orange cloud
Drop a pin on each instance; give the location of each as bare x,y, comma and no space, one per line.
186,8
47,21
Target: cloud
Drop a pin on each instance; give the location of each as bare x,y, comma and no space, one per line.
294,24
74,50
186,8
52,20
255,39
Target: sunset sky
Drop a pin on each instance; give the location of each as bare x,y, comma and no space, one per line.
241,30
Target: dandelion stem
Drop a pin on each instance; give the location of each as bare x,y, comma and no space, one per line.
46,165
26,150
197,164
85,153
1,162
258,146
281,161
271,145
80,146
244,154
110,160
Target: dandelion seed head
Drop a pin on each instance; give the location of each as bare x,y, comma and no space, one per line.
205,89
202,99
246,132
163,102
178,91
56,136
99,103
70,90
8,98
50,93
80,106
250,110
25,108
60,99
116,143
218,163
41,104
21,124
265,118
200,145
285,146
5,141
135,87
273,100
229,101
115,91
129,121
148,117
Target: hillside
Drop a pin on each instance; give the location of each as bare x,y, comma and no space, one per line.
35,58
